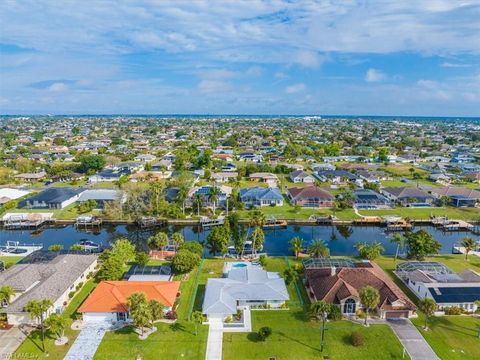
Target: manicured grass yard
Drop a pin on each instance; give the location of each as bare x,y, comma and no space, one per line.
425,213
169,342
452,337
448,335
287,211
295,336
32,345
10,260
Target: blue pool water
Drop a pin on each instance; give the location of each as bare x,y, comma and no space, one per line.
240,265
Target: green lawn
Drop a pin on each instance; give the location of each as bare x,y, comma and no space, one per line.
170,341
425,213
448,335
295,336
452,337
32,345
287,211
10,260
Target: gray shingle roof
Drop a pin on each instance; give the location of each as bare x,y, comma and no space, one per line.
44,280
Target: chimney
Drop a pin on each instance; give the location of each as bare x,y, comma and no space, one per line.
333,271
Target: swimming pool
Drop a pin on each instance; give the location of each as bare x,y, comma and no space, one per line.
239,265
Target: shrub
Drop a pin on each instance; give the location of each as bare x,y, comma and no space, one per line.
228,319
357,339
192,246
184,261
71,294
335,314
238,314
264,333
171,315
453,310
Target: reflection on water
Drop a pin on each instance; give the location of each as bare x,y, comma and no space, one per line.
340,238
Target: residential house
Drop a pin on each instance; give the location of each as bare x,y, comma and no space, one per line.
107,303
52,198
204,193
459,197
243,285
145,157
300,176
110,174
31,177
260,196
336,176
433,280
323,167
408,196
264,177
249,156
45,275
8,194
473,176
224,176
310,196
368,176
339,282
102,196
369,199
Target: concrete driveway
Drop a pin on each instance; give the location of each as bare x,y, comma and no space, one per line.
415,344
87,342
10,340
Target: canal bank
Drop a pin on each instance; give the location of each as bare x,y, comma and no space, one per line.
340,238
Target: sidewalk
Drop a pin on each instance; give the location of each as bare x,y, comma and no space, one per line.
215,340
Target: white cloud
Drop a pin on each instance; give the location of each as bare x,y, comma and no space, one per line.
454,65
280,75
58,87
374,75
308,59
214,86
295,88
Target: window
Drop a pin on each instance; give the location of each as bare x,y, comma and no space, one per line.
349,307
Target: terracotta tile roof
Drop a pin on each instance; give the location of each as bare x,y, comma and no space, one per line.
111,296
347,282
309,192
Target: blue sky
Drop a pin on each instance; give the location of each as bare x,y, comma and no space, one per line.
381,57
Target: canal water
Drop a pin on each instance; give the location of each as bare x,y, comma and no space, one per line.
340,239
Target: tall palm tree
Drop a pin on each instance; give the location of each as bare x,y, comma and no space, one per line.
37,310
320,310
213,195
469,244
197,202
369,297
296,245
319,249
158,241
400,241
177,239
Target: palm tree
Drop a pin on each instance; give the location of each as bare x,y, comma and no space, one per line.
56,324
177,239
257,239
296,245
369,297
213,195
320,310
6,293
37,310
158,241
198,319
318,249
400,241
428,307
197,202
469,244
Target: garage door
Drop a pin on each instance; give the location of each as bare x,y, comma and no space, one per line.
396,314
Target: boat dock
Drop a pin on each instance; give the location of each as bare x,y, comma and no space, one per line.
26,220
15,248
146,222
87,221
452,225
206,222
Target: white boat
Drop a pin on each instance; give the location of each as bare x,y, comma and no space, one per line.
88,245
15,248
